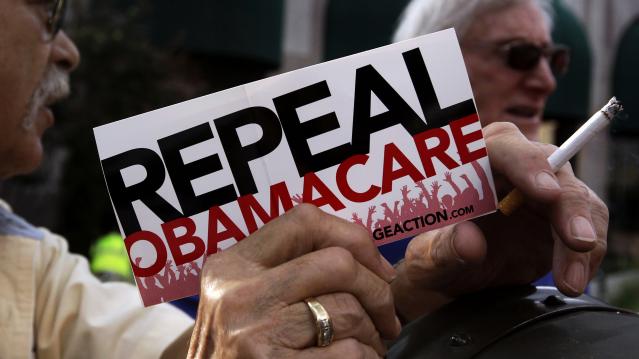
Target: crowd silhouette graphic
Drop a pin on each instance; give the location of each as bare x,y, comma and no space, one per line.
428,200
170,283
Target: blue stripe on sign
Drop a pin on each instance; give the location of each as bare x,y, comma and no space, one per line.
394,252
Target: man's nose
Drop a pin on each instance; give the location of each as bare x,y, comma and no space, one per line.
64,53
541,78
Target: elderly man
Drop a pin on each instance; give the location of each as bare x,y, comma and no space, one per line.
50,304
511,62
257,297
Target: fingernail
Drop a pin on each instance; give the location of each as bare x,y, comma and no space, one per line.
582,230
576,277
454,246
391,273
545,180
398,325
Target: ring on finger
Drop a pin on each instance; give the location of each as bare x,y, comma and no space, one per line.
323,322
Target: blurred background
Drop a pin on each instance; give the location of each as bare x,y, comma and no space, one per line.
142,55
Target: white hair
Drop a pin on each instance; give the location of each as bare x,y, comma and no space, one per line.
425,16
53,87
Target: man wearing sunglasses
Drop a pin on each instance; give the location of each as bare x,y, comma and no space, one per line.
512,63
256,297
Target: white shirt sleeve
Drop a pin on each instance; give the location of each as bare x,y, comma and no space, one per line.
77,316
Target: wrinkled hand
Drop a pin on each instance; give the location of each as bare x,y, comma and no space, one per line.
251,300
562,227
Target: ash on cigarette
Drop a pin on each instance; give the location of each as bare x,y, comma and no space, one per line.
613,107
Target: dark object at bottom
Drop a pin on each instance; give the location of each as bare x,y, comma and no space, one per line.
522,323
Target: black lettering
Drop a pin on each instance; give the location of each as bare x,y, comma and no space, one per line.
388,231
182,174
435,115
367,81
145,191
398,229
430,219
298,133
416,223
408,228
239,156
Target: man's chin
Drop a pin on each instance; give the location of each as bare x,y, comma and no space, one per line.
38,121
25,161
25,168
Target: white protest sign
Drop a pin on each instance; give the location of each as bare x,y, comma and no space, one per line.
388,138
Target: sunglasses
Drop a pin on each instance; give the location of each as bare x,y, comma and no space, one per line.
55,17
525,56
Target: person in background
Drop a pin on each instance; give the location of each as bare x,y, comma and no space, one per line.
257,297
51,304
512,63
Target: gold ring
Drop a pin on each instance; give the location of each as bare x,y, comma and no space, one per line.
322,322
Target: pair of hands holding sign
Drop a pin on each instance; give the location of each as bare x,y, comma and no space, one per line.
252,295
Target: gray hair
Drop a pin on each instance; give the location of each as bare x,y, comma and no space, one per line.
425,16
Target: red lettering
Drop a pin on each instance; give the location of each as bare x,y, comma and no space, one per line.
426,154
217,215
406,168
311,181
249,206
157,243
176,242
462,141
342,180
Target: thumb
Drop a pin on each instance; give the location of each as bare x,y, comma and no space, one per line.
437,267
436,258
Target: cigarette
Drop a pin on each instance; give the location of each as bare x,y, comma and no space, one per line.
568,149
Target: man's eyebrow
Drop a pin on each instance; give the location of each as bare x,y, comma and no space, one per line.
508,40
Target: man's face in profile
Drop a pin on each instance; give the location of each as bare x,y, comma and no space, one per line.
502,92
33,75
